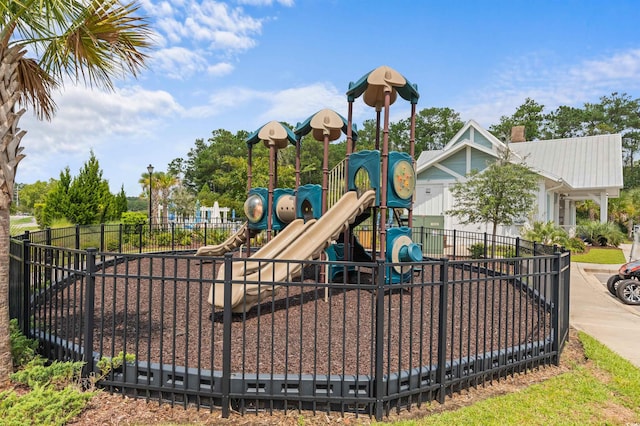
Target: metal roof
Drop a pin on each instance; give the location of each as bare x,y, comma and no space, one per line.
586,162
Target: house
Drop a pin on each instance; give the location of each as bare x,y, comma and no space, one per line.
570,170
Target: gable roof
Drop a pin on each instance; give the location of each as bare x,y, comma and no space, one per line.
583,162
470,135
591,163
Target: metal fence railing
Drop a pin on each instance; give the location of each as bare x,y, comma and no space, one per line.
352,344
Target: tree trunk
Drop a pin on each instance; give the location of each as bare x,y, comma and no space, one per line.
6,366
493,240
10,156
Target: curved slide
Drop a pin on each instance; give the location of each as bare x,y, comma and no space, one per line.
304,241
233,242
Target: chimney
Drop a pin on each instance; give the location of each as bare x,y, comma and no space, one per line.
517,134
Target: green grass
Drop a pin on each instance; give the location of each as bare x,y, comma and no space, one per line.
606,256
17,225
603,390
21,220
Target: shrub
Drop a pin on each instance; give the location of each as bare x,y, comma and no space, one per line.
43,405
547,233
112,244
477,250
600,234
163,239
218,236
575,245
185,240
59,374
23,350
506,251
108,365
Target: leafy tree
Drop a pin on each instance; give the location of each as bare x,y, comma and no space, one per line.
625,210
367,135
120,204
41,43
622,115
500,194
183,202
57,201
435,127
564,122
529,115
33,193
206,161
89,197
137,204
206,197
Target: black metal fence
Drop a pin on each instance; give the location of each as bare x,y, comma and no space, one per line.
123,238
357,344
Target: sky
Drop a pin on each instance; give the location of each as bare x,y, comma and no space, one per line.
238,64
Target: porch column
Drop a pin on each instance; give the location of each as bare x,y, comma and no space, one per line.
603,207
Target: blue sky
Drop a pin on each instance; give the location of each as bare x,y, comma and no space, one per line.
239,64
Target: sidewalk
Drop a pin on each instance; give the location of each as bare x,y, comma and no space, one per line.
596,312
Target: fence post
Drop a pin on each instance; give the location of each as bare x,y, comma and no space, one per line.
48,254
120,227
226,336
485,245
77,242
88,312
455,244
26,286
555,307
205,233
517,263
173,237
441,371
141,228
379,342
102,237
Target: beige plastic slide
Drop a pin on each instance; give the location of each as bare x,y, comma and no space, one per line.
271,249
301,243
233,242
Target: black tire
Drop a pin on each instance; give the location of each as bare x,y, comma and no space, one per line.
612,284
629,291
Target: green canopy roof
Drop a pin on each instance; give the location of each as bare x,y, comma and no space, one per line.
253,138
407,91
305,127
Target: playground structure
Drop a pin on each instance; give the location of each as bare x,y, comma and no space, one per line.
300,224
414,332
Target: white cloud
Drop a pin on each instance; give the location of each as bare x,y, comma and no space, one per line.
621,66
208,29
220,69
178,63
223,27
545,79
297,104
93,117
287,3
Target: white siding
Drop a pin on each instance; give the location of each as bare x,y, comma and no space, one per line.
429,200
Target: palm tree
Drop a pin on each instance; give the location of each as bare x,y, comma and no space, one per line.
89,41
164,183
146,182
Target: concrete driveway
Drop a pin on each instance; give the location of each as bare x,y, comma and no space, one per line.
598,313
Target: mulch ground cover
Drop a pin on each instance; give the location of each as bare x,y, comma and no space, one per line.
156,309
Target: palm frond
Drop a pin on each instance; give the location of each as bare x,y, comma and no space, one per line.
37,86
106,39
